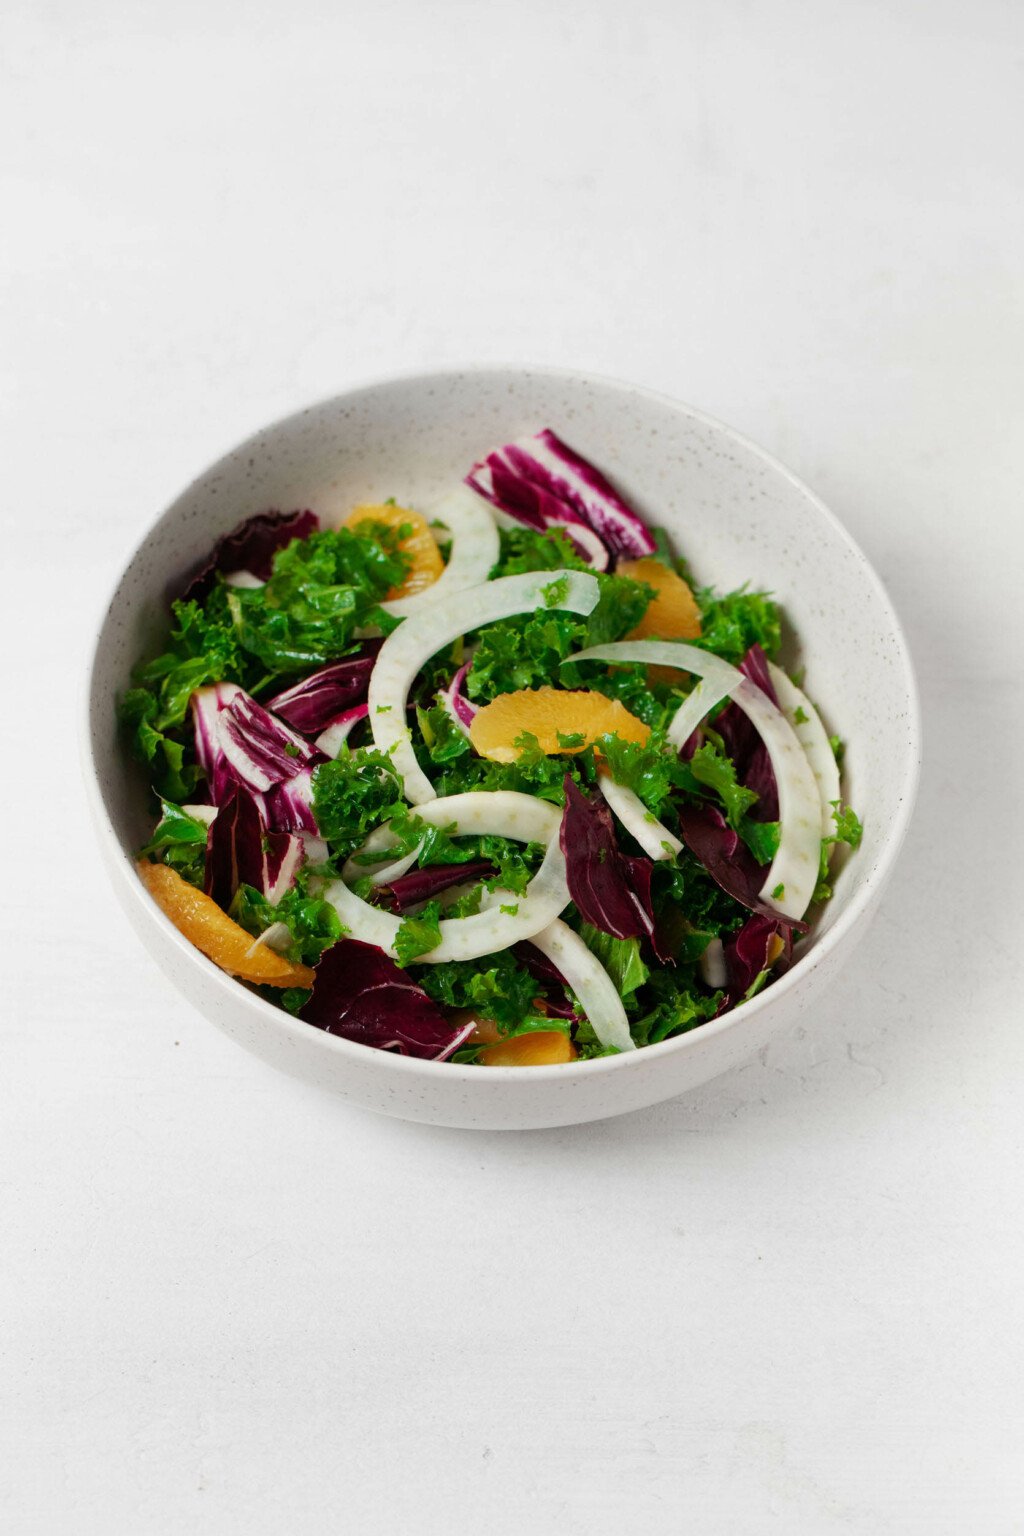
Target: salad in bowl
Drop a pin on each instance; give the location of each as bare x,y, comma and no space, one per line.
492,781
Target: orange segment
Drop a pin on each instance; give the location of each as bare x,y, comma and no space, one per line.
673,613
199,918
419,544
548,713
537,1048
485,1031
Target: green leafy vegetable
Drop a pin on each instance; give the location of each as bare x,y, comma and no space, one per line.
731,624
353,794
496,986
419,933
620,958
179,840
717,772
848,825
314,925
677,1010
761,837
321,588
528,549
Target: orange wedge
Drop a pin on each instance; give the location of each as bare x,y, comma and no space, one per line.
581,717
537,1048
419,544
199,918
673,613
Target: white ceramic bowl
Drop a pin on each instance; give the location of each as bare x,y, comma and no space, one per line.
734,512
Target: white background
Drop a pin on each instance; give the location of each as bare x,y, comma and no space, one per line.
792,1302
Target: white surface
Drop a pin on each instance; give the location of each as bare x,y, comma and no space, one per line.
791,1302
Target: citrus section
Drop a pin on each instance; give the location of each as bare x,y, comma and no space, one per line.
537,1048
673,613
418,543
199,918
560,719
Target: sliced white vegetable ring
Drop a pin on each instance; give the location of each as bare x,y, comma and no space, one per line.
654,838
431,628
793,873
475,550
590,981
813,737
507,814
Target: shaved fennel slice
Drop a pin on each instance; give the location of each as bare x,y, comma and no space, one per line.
360,867
813,737
693,709
654,838
589,981
475,550
431,628
277,937
793,873
206,813
507,814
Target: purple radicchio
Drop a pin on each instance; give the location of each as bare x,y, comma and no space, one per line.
312,704
421,884
753,949
241,851
612,890
453,700
361,994
238,742
744,745
340,729
541,481
251,548
724,855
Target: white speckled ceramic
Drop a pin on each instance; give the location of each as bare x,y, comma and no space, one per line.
736,514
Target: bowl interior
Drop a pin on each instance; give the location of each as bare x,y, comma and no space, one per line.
733,512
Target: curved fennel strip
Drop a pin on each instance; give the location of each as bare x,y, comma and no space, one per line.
474,552
700,702
590,981
379,841
654,838
813,737
441,623
793,872
508,814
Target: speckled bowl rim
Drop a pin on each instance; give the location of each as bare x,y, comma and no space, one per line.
390,1061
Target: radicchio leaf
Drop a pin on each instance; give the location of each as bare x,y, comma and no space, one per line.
612,891
744,745
454,701
541,481
751,950
420,884
361,994
238,742
340,728
311,705
251,547
240,851
724,855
